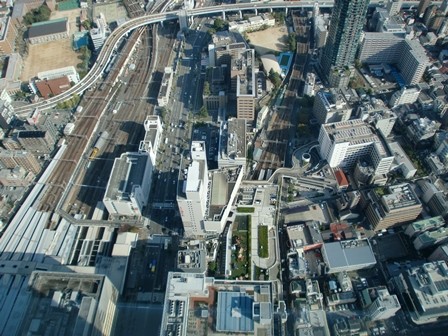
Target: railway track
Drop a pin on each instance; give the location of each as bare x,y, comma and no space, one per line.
281,127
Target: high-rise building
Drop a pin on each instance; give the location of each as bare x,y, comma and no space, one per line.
394,6
38,141
331,106
383,306
192,201
346,25
343,143
387,207
422,6
13,158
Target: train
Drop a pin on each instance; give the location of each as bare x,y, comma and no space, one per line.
99,144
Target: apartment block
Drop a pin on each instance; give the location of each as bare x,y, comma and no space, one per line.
13,158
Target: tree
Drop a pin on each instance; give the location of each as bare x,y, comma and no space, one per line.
219,24
86,24
206,91
37,15
203,113
279,17
292,41
275,78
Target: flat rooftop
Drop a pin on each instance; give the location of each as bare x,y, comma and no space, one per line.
400,196
233,139
353,131
234,312
348,253
128,171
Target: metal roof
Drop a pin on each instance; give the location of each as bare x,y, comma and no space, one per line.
234,312
347,254
47,28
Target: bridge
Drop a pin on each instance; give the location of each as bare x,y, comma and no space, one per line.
114,38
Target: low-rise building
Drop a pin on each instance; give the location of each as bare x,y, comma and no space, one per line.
8,35
404,96
69,72
165,87
52,87
440,253
424,225
402,162
36,141
348,255
430,238
47,31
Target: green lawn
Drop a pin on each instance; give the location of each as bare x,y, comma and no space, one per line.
245,209
240,263
263,251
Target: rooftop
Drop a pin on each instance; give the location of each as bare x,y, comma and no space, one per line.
127,173
428,223
400,196
353,131
349,253
234,312
47,27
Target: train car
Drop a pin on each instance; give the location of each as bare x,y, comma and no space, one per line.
99,144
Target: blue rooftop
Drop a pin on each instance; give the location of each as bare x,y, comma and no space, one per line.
234,312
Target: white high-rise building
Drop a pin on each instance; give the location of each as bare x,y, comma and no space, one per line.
404,96
383,306
194,195
394,6
153,136
98,34
343,143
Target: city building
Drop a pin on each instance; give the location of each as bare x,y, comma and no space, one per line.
192,260
320,30
17,158
165,87
394,6
128,187
242,71
51,87
205,197
16,177
386,207
254,23
63,303
193,205
424,225
343,143
331,106
409,55
440,253
348,255
421,131
404,96
99,33
69,72
153,137
344,34
232,143
7,114
194,302
402,162
377,47
8,35
435,199
422,6
309,86
215,90
47,31
431,238
36,141
379,303
425,289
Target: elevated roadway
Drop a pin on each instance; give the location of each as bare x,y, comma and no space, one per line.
111,43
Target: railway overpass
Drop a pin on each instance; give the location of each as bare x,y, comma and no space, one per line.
113,40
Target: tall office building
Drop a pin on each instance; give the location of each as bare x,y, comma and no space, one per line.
192,200
394,6
422,6
346,25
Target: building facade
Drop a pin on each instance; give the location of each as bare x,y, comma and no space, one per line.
345,30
